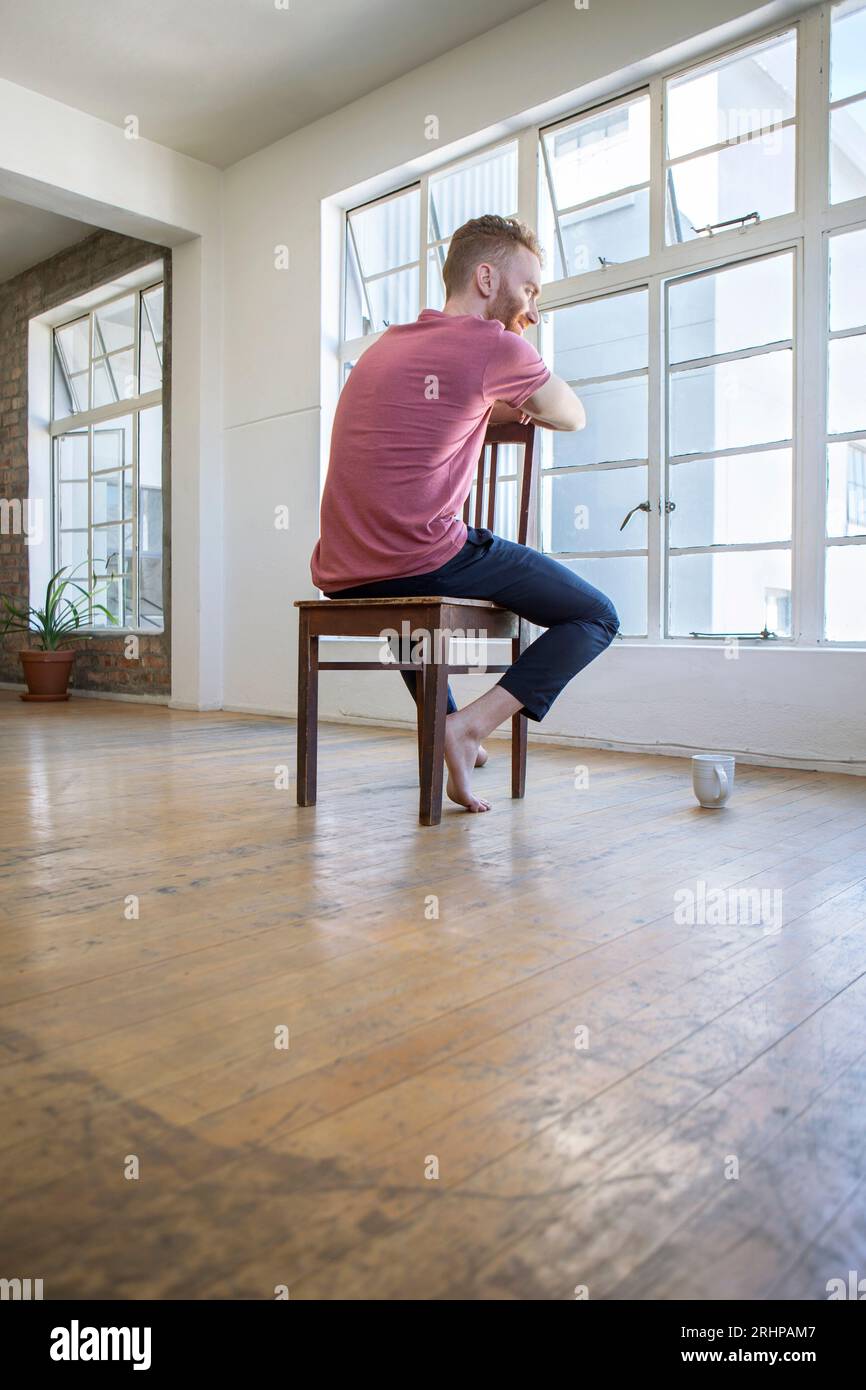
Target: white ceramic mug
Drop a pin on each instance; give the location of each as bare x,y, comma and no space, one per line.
713,778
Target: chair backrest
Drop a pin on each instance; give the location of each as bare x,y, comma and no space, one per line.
487,476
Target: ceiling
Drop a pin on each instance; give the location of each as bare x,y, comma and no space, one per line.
29,235
219,79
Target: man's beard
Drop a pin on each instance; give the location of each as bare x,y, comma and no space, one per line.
507,309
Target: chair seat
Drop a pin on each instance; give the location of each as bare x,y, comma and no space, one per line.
370,617
397,600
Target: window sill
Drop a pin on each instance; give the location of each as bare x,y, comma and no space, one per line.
678,644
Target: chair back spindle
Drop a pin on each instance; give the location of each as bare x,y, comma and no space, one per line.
487,477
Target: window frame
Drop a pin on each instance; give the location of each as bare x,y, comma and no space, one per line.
805,230
86,420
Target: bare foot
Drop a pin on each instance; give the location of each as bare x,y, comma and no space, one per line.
481,756
461,749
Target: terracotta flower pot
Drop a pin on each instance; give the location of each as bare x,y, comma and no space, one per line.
46,674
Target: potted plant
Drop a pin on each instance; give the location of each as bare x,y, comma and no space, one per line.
47,666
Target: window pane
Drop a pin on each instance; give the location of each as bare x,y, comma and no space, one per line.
386,234
394,299
847,50
112,496
380,238
150,518
846,408
150,349
435,283
725,100
616,426
599,153
617,230
623,579
731,405
72,455
848,152
73,552
110,593
112,549
755,176
114,326
505,516
736,591
79,386
846,490
73,504
848,280
73,340
357,322
729,501
71,389
481,185
153,302
746,305
846,585
112,444
584,511
150,367
113,379
507,476
598,337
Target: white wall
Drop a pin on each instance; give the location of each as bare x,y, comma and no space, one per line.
60,159
803,706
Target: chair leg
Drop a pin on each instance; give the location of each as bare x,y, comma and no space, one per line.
435,708
419,715
308,711
519,731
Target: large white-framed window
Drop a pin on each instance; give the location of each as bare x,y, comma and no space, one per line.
106,439
723,198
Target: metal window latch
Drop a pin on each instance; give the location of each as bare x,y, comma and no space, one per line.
764,636
647,507
641,507
712,227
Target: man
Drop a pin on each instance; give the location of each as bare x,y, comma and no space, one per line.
408,430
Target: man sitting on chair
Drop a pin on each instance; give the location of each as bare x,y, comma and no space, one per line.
408,431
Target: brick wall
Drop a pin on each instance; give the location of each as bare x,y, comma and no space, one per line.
100,664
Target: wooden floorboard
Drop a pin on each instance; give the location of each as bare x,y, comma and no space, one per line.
419,1039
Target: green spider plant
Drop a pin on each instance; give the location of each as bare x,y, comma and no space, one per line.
56,623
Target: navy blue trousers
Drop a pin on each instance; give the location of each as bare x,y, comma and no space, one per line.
581,621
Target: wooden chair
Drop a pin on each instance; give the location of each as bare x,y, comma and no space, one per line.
370,617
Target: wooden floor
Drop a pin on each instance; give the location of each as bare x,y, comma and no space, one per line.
416,1041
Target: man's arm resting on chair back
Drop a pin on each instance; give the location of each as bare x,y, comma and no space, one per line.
555,405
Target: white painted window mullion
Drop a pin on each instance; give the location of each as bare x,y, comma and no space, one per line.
810,355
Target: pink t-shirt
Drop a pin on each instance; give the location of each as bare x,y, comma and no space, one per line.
408,430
